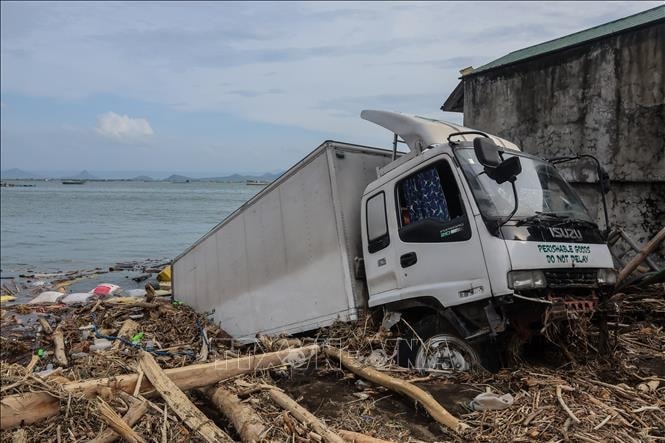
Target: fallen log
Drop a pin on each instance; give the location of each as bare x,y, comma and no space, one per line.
180,403
304,416
59,343
131,417
435,410
246,421
31,407
118,425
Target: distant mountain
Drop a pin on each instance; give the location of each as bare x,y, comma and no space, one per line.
239,178
17,174
83,175
142,178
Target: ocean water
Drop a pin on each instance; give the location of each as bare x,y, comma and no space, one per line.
56,227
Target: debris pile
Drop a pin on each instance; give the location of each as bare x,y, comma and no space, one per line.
158,371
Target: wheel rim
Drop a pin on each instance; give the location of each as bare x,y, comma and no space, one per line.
446,352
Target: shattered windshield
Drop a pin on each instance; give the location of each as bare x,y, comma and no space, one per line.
540,190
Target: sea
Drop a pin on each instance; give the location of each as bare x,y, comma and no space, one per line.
52,227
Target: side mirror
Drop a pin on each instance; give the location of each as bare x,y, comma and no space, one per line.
507,170
487,152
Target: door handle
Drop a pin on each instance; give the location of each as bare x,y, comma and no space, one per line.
408,259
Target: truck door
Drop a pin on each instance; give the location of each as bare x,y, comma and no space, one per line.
437,245
379,255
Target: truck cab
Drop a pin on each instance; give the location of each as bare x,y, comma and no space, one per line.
463,256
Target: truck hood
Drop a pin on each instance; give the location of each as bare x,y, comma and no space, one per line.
546,254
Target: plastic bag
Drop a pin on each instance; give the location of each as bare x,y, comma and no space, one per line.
488,401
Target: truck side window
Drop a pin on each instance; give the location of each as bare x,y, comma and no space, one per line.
377,223
430,206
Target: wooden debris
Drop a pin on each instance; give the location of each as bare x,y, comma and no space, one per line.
131,417
357,437
128,328
180,403
304,416
34,406
59,343
45,326
643,254
117,423
563,404
246,421
436,411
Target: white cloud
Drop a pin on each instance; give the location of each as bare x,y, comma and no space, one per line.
123,127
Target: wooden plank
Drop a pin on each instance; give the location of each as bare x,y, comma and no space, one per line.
180,403
128,328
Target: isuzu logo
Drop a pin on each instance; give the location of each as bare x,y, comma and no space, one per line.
568,233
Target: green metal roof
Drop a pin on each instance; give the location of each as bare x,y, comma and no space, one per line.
632,21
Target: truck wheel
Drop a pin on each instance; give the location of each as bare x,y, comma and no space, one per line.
436,346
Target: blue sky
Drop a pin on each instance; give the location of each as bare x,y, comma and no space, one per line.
241,87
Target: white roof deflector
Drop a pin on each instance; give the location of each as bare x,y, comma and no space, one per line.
420,132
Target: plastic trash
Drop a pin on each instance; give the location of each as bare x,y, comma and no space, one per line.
106,290
6,298
46,372
101,344
77,297
488,401
165,274
47,297
40,353
136,293
136,339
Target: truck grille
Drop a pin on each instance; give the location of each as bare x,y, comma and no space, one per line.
566,278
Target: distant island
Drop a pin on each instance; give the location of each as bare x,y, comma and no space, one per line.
19,174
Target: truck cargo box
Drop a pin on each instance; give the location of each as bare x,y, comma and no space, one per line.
284,261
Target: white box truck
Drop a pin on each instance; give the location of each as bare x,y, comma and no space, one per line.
464,236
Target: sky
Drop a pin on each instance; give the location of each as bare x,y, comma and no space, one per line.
222,87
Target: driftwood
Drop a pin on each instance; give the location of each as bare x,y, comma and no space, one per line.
245,420
131,417
641,256
128,328
304,416
45,326
117,423
357,437
34,406
59,343
435,410
180,403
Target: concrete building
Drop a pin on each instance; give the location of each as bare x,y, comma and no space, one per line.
600,91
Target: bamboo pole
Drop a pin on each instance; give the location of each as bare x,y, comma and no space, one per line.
31,407
435,410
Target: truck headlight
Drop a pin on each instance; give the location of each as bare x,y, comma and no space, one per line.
531,279
607,277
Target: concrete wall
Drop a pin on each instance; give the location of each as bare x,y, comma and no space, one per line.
605,98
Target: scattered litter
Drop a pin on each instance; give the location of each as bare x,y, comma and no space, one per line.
136,292
47,297
106,290
165,274
101,344
490,401
6,298
77,297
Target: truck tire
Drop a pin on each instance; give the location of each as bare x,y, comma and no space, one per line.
433,344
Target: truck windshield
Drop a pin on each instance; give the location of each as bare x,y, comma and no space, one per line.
540,189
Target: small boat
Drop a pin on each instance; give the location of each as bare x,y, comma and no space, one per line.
73,182
257,183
